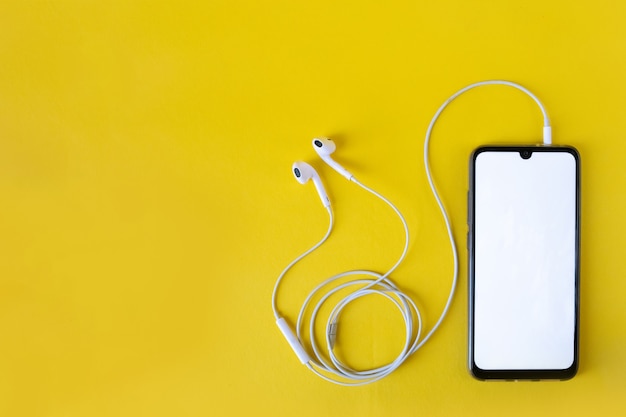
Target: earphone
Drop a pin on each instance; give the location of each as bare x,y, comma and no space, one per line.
327,365
324,148
305,172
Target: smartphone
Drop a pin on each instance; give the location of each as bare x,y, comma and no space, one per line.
524,257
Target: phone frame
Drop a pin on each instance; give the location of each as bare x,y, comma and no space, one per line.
521,374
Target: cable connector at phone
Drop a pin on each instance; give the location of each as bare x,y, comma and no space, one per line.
547,135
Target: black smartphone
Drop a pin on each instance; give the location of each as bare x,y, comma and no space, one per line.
524,257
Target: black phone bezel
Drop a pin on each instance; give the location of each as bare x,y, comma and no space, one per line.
520,374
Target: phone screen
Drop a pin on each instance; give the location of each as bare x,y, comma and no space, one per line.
524,216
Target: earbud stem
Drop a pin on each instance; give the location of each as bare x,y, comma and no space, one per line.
321,191
334,165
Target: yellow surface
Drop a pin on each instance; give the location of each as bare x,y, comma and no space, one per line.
146,203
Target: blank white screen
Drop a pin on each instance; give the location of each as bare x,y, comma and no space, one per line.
525,254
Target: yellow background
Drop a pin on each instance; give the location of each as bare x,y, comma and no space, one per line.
147,205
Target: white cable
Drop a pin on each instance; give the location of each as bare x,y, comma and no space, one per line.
547,129
327,365
547,140
295,261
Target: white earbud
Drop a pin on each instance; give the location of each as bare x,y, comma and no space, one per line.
304,172
324,147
